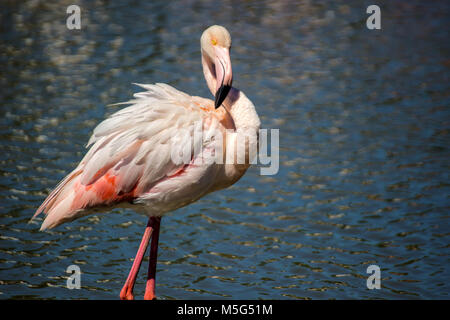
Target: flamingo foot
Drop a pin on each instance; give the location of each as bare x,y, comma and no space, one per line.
127,291
126,294
151,275
150,290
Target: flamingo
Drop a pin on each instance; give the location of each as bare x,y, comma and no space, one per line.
130,164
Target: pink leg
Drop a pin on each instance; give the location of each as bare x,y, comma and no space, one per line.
150,287
127,291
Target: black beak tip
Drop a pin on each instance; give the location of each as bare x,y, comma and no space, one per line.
221,94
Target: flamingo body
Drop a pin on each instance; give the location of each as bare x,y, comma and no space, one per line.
130,160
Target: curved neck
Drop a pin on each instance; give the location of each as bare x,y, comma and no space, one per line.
236,103
209,73
241,110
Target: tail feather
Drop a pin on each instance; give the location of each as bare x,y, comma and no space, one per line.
57,205
59,213
72,199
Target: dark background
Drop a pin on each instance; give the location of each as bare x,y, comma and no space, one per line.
364,148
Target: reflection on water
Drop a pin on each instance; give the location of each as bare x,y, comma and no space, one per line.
364,132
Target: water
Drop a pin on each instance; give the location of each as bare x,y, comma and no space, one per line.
364,146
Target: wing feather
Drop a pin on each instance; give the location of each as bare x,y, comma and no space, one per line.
131,150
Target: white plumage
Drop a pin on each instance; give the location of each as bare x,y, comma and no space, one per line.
159,153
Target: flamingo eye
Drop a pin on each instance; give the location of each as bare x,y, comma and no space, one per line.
213,41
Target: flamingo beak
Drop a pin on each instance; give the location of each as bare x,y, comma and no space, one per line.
224,74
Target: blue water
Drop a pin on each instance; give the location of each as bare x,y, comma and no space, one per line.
364,125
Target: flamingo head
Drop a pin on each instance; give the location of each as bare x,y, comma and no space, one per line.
215,46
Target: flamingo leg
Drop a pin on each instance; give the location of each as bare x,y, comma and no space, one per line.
127,291
151,276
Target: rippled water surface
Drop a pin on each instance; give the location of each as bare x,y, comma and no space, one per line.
364,148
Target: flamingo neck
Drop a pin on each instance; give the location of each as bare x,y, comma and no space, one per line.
241,110
236,103
209,73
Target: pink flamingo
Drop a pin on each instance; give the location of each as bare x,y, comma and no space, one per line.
130,161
